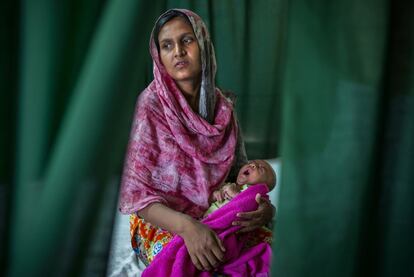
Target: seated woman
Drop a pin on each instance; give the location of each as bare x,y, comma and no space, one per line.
184,143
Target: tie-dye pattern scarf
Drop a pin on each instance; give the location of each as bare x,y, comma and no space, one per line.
176,156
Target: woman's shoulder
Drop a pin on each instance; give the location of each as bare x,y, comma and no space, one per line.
148,98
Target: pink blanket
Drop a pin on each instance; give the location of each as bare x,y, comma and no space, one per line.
174,260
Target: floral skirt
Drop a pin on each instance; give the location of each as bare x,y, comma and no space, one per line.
148,240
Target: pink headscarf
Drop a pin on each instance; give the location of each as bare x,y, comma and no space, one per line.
175,156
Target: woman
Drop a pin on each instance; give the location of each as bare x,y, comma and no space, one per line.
184,142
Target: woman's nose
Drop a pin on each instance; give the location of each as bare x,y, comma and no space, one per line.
179,51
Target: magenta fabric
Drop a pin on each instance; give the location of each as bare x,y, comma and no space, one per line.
175,155
174,259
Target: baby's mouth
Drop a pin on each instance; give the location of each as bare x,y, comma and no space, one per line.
241,179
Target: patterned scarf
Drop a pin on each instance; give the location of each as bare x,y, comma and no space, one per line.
176,156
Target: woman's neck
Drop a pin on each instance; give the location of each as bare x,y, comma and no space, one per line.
191,92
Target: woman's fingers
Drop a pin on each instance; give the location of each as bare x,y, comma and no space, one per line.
196,262
215,252
204,262
203,245
248,223
220,244
219,258
252,220
247,229
250,215
261,216
200,261
216,255
213,261
218,251
261,200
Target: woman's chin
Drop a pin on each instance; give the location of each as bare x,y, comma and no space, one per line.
184,77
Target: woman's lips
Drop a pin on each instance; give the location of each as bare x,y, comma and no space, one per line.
181,64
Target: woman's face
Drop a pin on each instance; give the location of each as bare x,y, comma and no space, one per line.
179,51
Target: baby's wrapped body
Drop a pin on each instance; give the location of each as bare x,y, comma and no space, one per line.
148,240
247,254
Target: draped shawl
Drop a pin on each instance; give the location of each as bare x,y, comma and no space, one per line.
176,156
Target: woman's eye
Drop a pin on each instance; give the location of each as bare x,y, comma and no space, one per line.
166,46
187,40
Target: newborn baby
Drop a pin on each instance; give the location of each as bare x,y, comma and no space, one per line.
254,172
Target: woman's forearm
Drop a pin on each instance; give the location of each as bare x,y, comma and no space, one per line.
205,248
166,218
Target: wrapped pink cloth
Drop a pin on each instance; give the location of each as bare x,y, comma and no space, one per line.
174,259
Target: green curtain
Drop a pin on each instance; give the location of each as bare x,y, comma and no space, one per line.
325,84
346,205
8,98
80,65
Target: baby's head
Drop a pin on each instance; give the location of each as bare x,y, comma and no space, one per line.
257,171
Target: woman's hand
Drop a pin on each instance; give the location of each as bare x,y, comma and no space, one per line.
204,246
252,220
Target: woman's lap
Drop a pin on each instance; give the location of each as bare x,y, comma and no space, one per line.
148,240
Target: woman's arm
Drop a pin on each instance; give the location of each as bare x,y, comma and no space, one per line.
262,216
204,246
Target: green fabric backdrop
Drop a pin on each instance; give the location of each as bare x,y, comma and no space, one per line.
347,132
327,85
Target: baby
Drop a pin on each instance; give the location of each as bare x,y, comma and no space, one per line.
254,172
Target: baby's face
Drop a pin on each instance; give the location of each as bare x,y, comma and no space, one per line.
257,171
